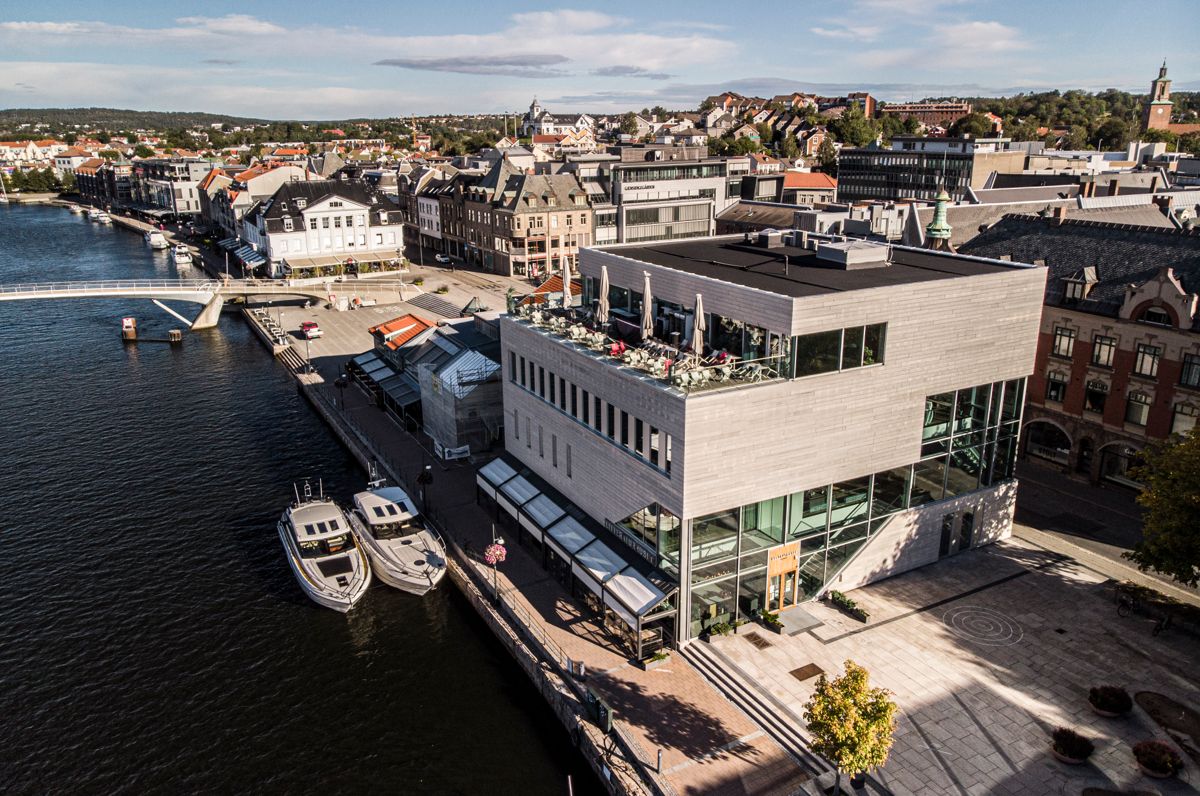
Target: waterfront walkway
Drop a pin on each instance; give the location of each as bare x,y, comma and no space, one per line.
708,746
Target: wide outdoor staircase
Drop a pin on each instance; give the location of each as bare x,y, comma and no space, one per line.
772,716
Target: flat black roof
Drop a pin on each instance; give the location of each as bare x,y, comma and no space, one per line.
731,259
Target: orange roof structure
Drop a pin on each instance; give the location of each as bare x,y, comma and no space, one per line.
398,331
808,179
552,286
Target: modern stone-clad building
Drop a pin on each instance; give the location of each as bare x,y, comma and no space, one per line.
844,411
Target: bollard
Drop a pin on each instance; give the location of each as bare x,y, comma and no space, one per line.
658,768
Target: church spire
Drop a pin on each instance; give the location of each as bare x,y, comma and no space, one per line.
1162,70
937,234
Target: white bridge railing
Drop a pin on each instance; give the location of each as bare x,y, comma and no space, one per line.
201,286
197,285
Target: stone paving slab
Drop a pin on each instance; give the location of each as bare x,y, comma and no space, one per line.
983,673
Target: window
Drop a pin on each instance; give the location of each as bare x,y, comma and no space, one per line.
1146,361
512,366
541,441
1064,342
624,428
1094,396
325,222
337,222
1184,419
1137,408
554,450
1156,316
1075,290
1056,387
288,225
312,223
516,426
1103,350
817,353
1189,375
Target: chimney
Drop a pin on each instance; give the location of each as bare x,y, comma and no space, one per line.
1060,213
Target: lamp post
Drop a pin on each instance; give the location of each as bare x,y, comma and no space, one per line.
424,480
340,382
495,555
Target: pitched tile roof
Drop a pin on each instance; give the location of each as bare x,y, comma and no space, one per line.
808,179
398,331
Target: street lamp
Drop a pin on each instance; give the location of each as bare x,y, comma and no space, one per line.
424,480
340,382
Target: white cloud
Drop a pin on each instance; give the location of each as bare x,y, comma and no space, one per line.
979,37
860,32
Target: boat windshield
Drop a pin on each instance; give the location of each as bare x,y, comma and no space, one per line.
315,548
394,530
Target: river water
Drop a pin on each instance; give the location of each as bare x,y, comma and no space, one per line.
152,638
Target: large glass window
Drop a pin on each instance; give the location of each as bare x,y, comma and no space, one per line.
1189,375
1146,361
929,478
849,501
809,512
712,603
891,491
874,343
970,412
1103,350
1064,342
1014,396
1184,419
852,347
1137,408
762,523
714,536
752,589
1056,387
962,474
817,353
938,410
1095,396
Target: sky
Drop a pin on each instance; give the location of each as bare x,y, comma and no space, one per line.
305,59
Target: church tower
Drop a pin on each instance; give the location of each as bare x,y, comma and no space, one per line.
1158,110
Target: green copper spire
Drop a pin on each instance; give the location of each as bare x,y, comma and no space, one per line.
939,229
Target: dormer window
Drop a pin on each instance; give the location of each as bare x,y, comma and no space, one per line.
301,204
1156,316
1076,290
287,225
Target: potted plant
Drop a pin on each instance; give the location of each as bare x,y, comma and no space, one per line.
1070,747
718,629
771,621
1110,701
1157,759
848,605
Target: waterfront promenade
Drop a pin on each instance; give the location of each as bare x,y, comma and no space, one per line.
707,744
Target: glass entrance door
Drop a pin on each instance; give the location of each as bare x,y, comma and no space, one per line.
773,592
789,588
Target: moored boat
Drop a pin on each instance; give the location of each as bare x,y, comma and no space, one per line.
323,552
405,553
102,218
181,255
94,213
155,239
75,209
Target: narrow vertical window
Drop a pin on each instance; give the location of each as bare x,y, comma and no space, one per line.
568,460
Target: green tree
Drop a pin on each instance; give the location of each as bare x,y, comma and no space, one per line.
851,723
788,148
827,156
852,127
628,124
1190,143
706,106
1171,502
70,139
109,154
660,113
765,133
1111,134
143,151
1166,136
975,125
746,146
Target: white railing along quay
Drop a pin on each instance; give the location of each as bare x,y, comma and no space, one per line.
198,285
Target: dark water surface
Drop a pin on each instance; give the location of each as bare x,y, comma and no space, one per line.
152,638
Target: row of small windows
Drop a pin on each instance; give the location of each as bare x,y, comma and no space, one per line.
1146,356
839,349
541,441
633,434
1137,403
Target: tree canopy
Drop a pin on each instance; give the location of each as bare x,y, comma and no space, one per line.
975,124
851,723
853,128
1171,502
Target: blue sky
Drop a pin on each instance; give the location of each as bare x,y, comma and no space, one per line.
311,60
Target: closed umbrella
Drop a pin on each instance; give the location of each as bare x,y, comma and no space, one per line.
602,307
699,326
647,309
566,280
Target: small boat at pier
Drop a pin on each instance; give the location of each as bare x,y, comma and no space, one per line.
94,213
405,553
156,240
76,209
322,551
181,255
102,218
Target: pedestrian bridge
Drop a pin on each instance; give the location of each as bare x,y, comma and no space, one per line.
211,293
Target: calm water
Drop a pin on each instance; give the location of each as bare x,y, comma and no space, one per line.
152,638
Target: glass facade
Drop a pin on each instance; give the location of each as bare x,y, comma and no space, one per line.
969,441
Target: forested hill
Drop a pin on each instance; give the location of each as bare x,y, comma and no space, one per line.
115,118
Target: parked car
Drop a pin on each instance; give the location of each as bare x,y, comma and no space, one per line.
310,329
442,258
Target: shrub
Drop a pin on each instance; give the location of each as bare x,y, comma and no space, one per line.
719,629
1158,756
661,655
441,289
770,619
418,281
1069,743
1110,699
848,605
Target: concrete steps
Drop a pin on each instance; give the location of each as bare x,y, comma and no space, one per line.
772,716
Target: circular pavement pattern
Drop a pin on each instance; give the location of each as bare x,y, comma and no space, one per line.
982,626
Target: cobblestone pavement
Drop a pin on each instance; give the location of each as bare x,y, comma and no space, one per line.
986,653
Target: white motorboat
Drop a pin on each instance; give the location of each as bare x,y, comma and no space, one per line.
404,553
156,240
102,218
94,213
181,255
76,209
323,553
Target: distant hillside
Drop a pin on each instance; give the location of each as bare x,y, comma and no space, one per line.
115,118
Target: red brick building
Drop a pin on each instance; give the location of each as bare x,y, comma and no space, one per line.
1118,360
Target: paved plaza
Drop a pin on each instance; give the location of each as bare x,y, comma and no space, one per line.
986,653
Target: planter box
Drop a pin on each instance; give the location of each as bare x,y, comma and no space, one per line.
1108,714
649,664
1070,761
776,629
1155,774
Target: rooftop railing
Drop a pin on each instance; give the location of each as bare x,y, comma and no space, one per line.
687,371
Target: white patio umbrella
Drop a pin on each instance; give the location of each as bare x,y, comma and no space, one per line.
566,280
699,326
647,309
602,307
